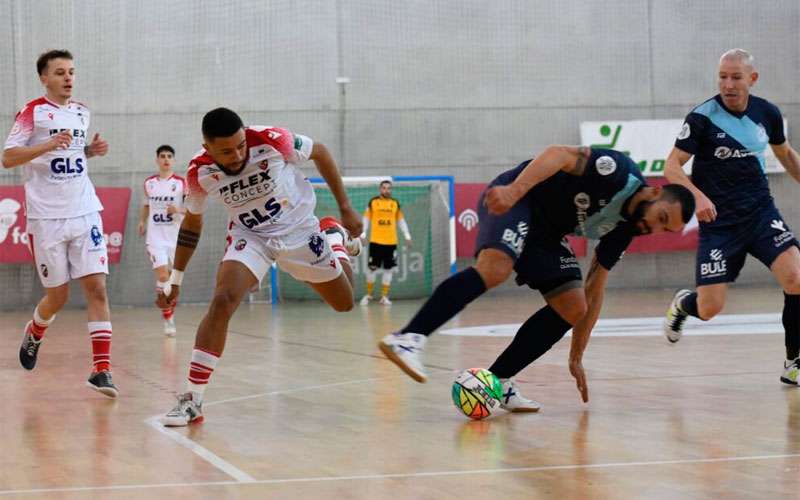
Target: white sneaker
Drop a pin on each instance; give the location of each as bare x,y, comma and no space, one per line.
169,327
184,413
365,300
514,401
676,317
791,370
405,350
385,301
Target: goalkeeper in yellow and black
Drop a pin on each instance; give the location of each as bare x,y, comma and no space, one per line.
382,219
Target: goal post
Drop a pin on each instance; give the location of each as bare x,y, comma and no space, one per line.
428,204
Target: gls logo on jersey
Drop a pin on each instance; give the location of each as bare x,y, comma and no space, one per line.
163,218
255,217
66,166
717,267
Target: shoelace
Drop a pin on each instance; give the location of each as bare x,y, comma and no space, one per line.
32,346
677,320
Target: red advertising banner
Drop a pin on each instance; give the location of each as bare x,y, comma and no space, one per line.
467,195
14,240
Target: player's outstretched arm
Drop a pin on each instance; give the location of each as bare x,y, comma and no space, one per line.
328,170
788,158
188,237
570,159
595,289
673,171
20,155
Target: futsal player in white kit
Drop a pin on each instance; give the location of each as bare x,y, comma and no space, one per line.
160,217
49,140
254,172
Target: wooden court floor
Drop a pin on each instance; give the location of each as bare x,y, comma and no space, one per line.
302,406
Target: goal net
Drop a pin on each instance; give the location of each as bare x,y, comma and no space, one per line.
427,205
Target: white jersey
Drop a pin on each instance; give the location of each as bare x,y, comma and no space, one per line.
162,226
269,195
57,184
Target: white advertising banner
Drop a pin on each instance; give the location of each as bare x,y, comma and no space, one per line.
648,142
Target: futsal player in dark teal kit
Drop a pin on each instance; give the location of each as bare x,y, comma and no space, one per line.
525,213
727,135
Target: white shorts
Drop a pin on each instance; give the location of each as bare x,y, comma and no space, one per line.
161,255
65,249
305,253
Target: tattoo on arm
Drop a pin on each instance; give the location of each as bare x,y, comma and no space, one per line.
583,152
187,238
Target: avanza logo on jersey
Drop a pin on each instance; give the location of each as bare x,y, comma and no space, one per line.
243,190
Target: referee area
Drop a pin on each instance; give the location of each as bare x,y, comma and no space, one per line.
440,98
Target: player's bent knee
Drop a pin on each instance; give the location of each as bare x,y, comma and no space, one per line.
495,273
224,303
574,313
96,292
709,308
792,287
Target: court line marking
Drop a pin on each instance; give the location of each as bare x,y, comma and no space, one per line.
215,460
725,324
371,477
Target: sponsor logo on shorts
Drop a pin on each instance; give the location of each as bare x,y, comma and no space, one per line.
515,240
96,235
721,135
605,165
240,244
44,270
717,267
569,263
785,234
316,244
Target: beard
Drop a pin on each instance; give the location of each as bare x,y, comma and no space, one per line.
638,218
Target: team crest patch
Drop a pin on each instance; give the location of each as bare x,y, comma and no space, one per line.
582,201
316,244
685,132
174,187
96,235
240,244
605,165
264,165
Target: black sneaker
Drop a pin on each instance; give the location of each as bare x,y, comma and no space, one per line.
29,349
102,383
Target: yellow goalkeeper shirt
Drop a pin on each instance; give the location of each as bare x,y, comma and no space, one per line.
383,214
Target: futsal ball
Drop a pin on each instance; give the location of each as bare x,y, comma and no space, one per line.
477,393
